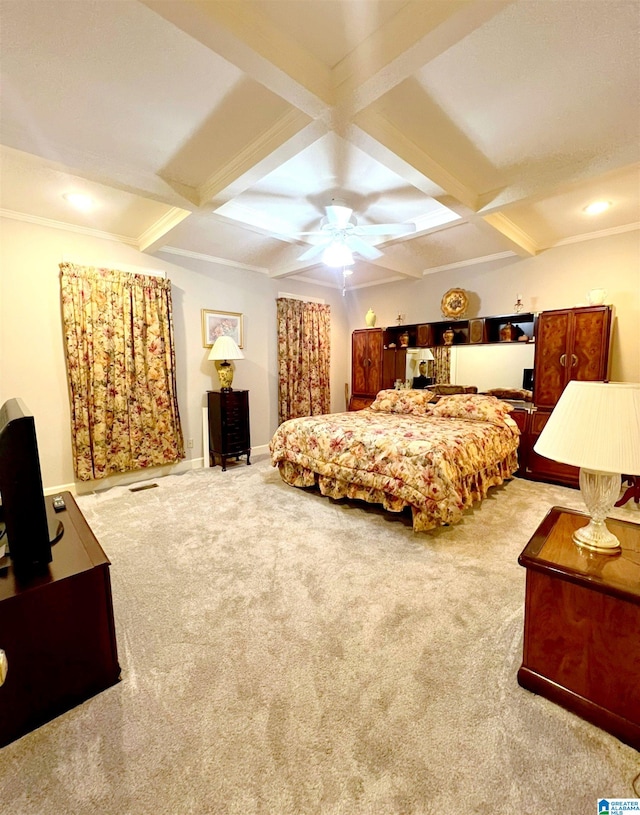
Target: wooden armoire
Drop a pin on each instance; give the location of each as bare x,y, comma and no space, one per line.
571,343
366,366
373,367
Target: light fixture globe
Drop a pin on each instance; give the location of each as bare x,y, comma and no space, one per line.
337,254
223,350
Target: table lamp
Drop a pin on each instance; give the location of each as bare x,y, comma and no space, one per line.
224,349
596,426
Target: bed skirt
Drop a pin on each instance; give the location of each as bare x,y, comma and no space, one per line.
473,487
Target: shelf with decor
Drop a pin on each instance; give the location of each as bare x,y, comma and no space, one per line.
477,330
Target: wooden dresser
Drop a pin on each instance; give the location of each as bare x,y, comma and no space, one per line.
229,435
57,630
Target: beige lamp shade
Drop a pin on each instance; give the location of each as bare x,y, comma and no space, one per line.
596,426
420,354
225,348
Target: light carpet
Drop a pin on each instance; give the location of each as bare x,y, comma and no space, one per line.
283,654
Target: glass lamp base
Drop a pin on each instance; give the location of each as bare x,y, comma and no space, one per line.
596,536
599,491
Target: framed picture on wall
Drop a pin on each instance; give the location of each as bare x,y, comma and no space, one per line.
218,323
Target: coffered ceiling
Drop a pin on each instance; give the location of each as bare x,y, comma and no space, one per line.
222,130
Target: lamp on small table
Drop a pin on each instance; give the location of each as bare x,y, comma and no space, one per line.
596,426
223,350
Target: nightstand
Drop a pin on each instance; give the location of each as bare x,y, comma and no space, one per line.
581,623
228,426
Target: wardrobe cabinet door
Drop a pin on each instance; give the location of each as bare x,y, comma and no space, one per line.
366,361
374,376
359,348
551,356
589,352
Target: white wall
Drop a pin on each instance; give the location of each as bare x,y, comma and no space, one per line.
556,278
32,362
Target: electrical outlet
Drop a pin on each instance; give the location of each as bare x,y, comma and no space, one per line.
189,442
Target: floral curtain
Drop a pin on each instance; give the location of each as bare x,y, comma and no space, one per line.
118,333
441,364
304,351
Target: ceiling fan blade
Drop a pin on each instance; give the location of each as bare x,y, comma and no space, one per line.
363,248
338,215
313,251
385,229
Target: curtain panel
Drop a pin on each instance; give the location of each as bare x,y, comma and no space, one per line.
120,354
304,354
441,364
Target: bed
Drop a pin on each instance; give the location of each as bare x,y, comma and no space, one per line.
403,451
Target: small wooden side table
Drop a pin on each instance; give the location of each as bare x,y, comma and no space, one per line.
582,624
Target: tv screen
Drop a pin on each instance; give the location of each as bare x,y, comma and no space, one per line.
29,530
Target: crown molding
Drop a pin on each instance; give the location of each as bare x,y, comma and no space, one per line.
80,230
172,250
460,264
603,233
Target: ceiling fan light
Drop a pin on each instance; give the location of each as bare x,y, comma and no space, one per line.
337,254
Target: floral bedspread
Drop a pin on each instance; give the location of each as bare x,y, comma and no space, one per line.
437,466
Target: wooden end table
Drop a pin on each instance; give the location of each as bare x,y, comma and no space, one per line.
582,623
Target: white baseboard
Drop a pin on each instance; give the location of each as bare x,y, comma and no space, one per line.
140,476
123,479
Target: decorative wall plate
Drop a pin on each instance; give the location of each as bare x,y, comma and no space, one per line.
454,303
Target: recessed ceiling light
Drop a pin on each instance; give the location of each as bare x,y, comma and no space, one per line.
597,207
79,200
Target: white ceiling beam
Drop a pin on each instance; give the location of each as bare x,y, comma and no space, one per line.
290,269
158,234
407,157
522,243
100,170
285,139
540,185
255,46
511,235
387,262
295,268
417,34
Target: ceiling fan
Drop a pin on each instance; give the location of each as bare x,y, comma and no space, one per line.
342,236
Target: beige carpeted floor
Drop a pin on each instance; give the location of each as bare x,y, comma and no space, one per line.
283,654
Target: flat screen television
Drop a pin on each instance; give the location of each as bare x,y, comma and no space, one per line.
30,528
